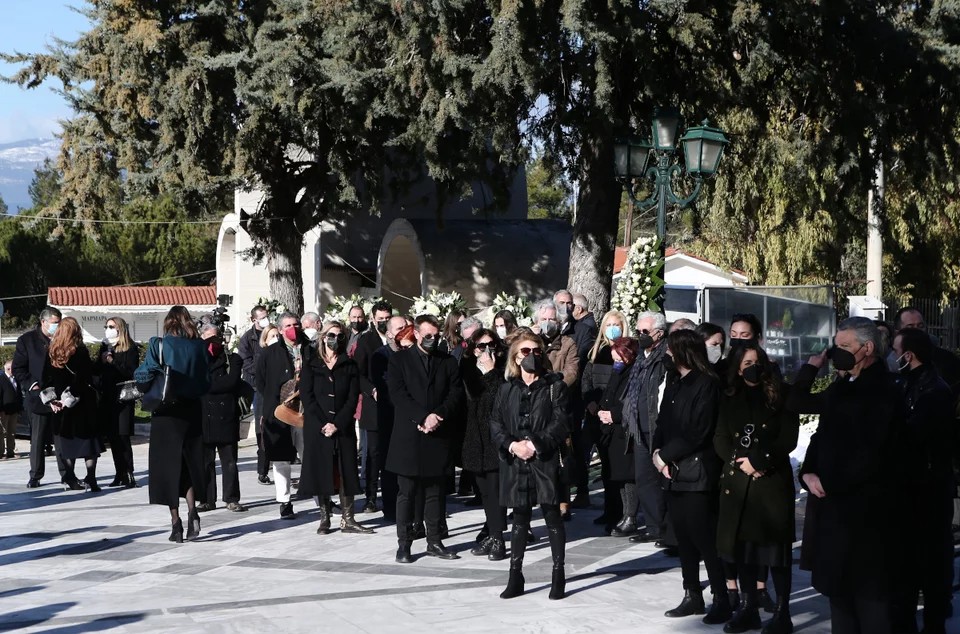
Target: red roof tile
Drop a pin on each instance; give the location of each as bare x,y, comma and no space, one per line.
620,258
131,295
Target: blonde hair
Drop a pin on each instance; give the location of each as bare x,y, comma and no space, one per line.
327,325
266,334
602,335
512,370
124,342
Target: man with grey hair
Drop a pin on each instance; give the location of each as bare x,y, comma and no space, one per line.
682,324
311,325
640,410
563,300
850,472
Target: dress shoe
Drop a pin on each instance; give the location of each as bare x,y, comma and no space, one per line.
264,479
286,511
176,534
118,481
236,507
691,604
498,550
33,483
403,554
582,501
668,550
193,525
370,506
418,532
483,548
745,617
626,528
721,611
206,506
73,485
90,483
643,538
441,551
782,624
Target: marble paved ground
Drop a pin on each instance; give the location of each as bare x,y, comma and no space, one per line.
81,562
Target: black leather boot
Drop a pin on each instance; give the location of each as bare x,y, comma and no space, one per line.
131,481
176,535
324,527
721,610
558,545
747,615
781,622
498,550
692,604
625,528
348,524
403,553
765,602
193,525
518,546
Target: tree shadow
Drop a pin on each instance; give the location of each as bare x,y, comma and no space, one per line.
15,591
32,616
98,625
266,526
83,548
8,542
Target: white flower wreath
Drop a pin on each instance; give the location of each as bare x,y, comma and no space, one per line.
640,280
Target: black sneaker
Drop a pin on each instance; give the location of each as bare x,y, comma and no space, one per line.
286,511
33,483
264,479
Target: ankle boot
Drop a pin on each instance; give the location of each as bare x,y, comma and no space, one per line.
692,604
130,481
765,602
117,481
347,522
780,623
518,546
498,550
558,544
747,615
324,527
193,525
721,610
176,535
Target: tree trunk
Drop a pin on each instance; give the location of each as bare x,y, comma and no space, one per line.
595,227
284,249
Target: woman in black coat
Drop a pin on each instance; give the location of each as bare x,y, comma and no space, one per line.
684,455
596,374
329,390
482,372
119,356
69,371
529,427
755,435
615,440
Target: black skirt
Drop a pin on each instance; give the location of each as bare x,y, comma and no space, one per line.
773,555
176,455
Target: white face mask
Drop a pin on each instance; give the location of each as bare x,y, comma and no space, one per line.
714,353
263,323
502,332
111,334
272,340
310,333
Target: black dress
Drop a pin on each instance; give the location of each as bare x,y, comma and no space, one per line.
329,395
76,426
619,445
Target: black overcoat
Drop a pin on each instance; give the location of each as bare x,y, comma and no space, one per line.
758,511
537,481
76,426
329,396
11,400
415,395
846,541
619,445
221,415
274,367
685,428
368,343
29,359
479,454
116,417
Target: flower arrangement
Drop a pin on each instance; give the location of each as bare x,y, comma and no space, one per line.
438,304
274,308
516,304
640,280
339,307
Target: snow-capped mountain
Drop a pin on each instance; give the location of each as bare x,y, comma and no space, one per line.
17,162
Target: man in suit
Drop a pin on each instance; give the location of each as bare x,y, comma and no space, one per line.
378,376
368,343
249,350
29,357
426,389
11,404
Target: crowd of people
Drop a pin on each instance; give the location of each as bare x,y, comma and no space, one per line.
693,426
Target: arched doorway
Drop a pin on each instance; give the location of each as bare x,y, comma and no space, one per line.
400,270
227,262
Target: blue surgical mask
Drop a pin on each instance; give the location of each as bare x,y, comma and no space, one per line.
618,366
613,332
52,328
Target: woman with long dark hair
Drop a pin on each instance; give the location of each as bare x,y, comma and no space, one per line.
176,461
450,338
684,455
755,435
504,323
118,359
329,391
528,424
69,371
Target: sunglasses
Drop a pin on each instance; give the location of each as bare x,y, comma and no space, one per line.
483,345
747,439
528,351
644,331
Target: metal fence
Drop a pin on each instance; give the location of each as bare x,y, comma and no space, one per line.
941,317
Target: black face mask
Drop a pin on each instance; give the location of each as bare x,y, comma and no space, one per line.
843,360
332,343
753,373
739,343
645,341
668,363
358,326
532,363
429,344
382,327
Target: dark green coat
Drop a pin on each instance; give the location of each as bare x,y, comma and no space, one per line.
759,511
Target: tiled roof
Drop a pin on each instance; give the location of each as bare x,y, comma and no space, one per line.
620,258
131,295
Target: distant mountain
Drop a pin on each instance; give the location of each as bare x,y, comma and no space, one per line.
17,162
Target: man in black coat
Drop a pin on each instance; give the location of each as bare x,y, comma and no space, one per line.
29,358
276,365
11,404
368,343
221,420
426,389
850,470
584,335
377,375
249,350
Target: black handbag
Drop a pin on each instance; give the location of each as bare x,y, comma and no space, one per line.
688,471
159,393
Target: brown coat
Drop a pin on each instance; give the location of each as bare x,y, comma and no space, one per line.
562,352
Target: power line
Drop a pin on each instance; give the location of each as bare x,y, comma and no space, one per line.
166,277
117,222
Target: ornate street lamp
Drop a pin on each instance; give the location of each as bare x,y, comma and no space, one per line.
702,150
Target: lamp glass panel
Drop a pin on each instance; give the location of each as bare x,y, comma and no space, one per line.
620,158
665,131
710,156
691,154
638,159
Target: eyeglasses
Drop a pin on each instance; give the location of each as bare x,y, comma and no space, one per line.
483,345
747,439
528,351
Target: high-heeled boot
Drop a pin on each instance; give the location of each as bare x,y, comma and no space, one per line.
746,616
130,481
558,543
176,535
781,622
518,546
324,507
193,525
347,522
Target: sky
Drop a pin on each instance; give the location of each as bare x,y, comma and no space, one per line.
28,26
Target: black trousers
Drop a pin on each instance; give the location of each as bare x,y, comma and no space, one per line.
860,615
388,481
650,496
263,465
612,503
694,515
122,452
371,465
432,491
228,466
496,515
41,428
